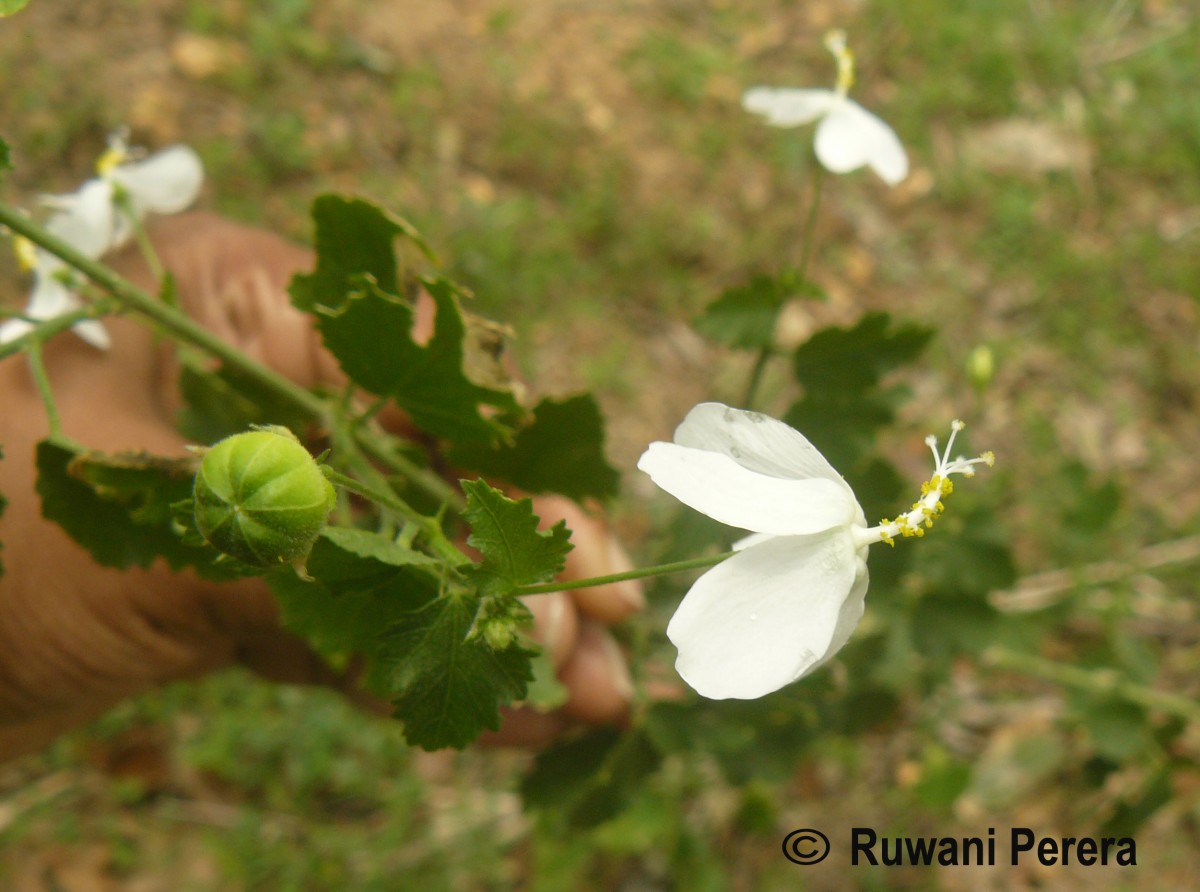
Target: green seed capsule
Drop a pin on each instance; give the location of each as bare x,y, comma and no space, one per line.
261,498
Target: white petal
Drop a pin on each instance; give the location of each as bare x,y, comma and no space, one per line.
768,615
165,183
850,136
716,485
52,298
752,540
11,329
788,107
755,441
94,332
851,612
85,218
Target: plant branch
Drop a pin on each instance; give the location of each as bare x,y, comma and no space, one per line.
1097,682
170,319
45,329
429,526
767,350
38,368
640,573
184,329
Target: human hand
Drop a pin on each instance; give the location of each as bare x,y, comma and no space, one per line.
77,638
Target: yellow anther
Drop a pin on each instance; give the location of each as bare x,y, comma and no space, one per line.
957,424
989,458
835,42
112,158
115,155
25,251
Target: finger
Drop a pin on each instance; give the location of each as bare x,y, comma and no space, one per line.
596,553
232,279
555,624
597,678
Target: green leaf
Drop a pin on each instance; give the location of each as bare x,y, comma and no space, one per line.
360,582
1118,730
5,155
118,507
744,316
354,238
561,450
1134,809
447,684
220,403
840,370
385,550
8,7
371,336
545,691
860,355
506,532
593,778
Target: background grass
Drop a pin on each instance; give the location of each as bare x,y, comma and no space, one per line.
588,171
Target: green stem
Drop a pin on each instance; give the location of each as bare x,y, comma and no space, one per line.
171,320
38,368
806,245
48,328
184,329
382,450
429,526
1098,682
640,573
142,238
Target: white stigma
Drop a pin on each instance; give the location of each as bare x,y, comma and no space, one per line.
928,507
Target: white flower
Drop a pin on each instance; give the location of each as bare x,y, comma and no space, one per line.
848,136
163,183
99,217
791,596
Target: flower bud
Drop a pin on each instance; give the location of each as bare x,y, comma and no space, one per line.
981,366
261,498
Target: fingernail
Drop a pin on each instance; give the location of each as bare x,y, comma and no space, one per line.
553,627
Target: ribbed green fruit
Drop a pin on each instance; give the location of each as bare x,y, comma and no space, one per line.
261,498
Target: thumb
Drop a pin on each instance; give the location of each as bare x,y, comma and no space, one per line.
233,280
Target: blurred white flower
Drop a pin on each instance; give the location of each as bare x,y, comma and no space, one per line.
848,136
791,596
53,296
98,217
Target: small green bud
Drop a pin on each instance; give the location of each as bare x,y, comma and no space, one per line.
261,498
981,366
498,633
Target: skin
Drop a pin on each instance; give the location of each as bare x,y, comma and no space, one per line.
77,638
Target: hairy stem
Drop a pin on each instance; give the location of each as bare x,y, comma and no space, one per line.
38,368
806,245
639,573
431,528
184,329
170,319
